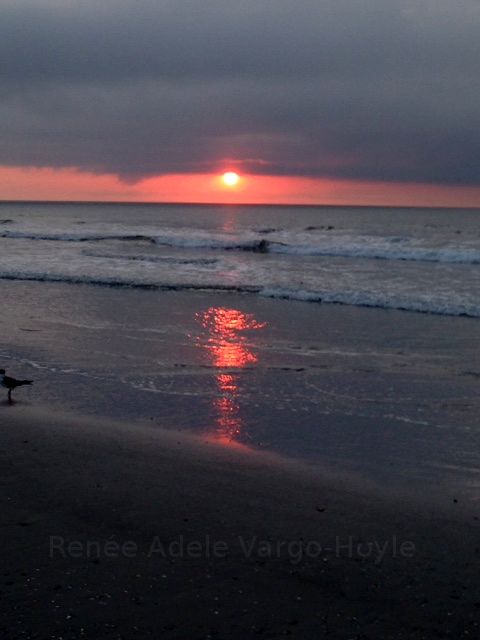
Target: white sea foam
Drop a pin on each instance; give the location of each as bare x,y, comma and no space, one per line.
434,304
281,242
385,249
424,304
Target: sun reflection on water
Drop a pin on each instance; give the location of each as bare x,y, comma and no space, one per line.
228,350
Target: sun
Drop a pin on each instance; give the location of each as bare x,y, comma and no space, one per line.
230,178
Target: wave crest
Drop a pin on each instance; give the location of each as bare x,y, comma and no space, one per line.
292,243
421,304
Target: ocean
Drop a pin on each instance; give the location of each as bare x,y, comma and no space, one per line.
412,259
345,337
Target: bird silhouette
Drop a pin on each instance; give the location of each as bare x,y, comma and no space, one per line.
11,383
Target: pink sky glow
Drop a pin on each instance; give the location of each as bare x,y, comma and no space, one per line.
20,183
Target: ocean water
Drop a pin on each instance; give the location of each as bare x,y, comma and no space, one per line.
221,320
413,259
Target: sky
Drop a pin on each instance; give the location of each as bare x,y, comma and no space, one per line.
310,101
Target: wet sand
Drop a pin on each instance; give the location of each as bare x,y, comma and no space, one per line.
388,395
118,531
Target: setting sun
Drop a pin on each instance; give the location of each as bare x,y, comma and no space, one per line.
230,178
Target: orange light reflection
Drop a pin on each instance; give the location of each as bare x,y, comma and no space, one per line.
228,349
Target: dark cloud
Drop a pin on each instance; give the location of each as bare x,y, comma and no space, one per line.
373,89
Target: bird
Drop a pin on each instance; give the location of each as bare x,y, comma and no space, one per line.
11,383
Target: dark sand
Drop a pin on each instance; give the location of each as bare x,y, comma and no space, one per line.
83,481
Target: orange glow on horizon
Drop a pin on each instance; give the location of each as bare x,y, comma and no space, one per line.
69,184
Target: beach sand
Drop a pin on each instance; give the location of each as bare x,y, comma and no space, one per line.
98,521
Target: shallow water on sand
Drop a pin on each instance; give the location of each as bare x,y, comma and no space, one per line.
388,395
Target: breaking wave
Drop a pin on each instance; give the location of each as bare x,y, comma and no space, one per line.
279,242
422,304
437,305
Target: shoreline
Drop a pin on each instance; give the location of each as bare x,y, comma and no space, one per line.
389,399
247,542
307,297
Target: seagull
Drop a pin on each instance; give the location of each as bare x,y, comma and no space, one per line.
11,383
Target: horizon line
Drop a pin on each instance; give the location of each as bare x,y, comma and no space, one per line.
234,204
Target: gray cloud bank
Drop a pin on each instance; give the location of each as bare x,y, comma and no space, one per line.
367,89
